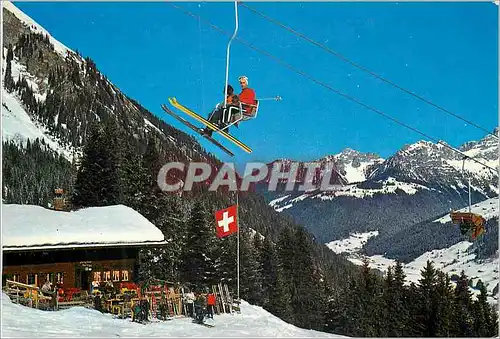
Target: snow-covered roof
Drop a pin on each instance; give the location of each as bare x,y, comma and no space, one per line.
34,227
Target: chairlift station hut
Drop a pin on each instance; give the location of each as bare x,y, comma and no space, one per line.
74,248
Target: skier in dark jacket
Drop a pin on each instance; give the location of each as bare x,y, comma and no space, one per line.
200,308
98,302
216,117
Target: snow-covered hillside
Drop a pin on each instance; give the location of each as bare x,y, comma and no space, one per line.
352,244
388,186
19,127
451,260
35,27
20,321
17,124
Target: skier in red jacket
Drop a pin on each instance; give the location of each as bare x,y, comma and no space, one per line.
247,99
211,305
247,95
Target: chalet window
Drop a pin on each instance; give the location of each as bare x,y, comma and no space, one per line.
49,277
31,279
116,275
125,275
97,276
107,276
60,278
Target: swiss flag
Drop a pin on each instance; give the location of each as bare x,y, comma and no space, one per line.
226,222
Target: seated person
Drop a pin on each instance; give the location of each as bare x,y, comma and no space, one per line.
215,116
247,99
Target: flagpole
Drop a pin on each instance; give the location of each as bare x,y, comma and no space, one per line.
238,245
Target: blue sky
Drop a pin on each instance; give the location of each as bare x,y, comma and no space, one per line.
446,52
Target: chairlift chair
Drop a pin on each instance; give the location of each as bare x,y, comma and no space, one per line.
248,112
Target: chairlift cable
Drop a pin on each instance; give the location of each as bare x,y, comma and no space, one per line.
364,69
203,106
321,83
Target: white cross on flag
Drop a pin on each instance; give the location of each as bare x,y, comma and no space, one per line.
226,222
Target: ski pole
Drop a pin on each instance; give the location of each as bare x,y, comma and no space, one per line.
276,98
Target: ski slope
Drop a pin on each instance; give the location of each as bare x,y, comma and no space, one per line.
21,321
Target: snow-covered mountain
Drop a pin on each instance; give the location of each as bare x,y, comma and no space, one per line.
419,166
354,165
435,165
56,94
399,197
33,26
401,211
349,166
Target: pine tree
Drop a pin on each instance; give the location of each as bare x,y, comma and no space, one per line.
370,295
197,263
427,315
258,247
151,162
390,304
133,178
98,178
226,261
341,314
249,267
8,81
280,300
269,269
308,301
481,313
444,305
463,323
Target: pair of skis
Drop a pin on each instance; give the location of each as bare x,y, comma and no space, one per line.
207,123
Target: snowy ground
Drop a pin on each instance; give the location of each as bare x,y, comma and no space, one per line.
20,321
352,244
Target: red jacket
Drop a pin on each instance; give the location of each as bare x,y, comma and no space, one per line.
211,299
247,96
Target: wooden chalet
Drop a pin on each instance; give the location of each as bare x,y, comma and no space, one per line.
73,249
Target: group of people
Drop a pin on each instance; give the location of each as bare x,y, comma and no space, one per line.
198,305
246,98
